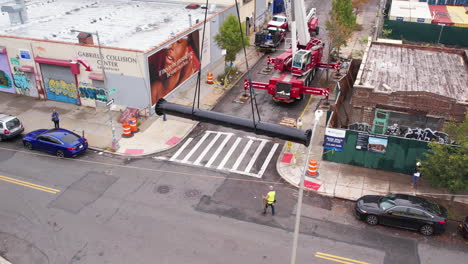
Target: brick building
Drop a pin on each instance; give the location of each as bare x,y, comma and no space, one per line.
401,88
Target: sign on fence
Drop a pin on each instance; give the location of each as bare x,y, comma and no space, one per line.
334,139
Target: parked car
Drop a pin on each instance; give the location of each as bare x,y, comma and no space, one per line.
464,228
10,127
57,141
403,211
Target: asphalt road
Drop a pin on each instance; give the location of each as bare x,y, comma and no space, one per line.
105,209
99,209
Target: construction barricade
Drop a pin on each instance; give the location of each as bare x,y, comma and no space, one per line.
209,78
127,132
133,125
312,169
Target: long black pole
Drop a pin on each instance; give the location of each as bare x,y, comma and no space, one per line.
244,124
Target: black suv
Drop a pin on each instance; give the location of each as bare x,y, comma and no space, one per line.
403,211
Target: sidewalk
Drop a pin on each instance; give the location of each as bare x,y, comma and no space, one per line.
156,135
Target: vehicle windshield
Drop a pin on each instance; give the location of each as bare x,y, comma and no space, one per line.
278,19
387,202
13,123
70,138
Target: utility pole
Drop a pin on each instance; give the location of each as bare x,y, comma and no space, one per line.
115,144
318,115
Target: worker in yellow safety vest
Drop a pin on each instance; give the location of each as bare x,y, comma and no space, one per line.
270,200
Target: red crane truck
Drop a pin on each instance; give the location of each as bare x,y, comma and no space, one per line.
296,68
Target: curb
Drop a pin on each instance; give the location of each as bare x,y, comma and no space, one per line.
230,86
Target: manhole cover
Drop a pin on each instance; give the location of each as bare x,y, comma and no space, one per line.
163,189
192,193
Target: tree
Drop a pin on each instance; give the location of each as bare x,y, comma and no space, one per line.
446,166
358,4
230,37
342,10
340,23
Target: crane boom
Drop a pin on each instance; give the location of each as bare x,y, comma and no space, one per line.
303,36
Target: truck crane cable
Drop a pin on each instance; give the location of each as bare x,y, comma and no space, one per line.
197,85
253,98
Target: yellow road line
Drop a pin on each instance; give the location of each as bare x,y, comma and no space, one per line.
143,168
29,185
307,106
335,258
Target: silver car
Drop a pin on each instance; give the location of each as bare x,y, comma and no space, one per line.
10,127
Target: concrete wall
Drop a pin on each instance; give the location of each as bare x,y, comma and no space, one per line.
125,69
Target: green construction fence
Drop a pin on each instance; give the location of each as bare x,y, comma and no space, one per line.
400,155
422,32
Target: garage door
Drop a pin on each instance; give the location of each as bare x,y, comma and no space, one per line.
59,83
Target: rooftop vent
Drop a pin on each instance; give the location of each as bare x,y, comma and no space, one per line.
16,12
85,38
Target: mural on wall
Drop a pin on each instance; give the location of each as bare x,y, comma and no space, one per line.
171,66
6,83
23,81
61,88
92,93
59,83
364,127
423,134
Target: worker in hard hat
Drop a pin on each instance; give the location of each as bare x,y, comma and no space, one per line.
270,200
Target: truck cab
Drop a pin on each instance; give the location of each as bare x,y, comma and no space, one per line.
279,21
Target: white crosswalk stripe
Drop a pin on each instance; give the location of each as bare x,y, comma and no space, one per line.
223,151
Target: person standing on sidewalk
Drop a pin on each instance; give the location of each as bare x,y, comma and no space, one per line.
270,200
55,118
416,174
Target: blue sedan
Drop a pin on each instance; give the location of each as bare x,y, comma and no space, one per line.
57,141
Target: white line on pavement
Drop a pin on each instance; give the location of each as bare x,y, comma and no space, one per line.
181,149
197,162
255,156
267,160
226,158
215,155
242,155
185,160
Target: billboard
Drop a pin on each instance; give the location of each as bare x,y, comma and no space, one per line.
171,66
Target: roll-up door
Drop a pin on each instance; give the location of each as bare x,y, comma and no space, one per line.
59,83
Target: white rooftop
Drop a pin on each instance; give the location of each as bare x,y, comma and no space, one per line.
410,9
128,24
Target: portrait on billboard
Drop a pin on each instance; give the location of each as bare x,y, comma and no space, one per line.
173,65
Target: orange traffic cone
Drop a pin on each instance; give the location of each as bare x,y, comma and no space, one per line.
133,125
127,132
209,78
312,171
